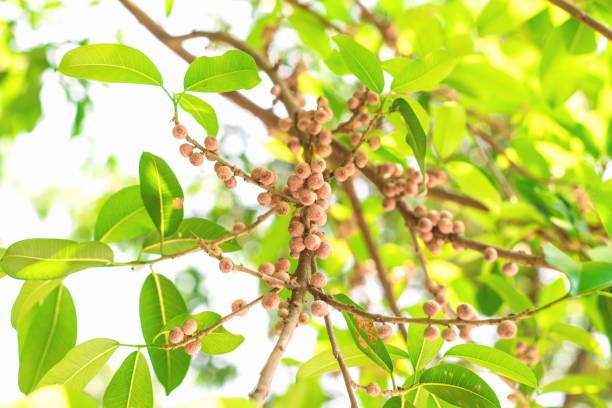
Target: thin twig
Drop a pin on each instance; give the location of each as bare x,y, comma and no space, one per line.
374,254
584,18
429,321
262,389
336,352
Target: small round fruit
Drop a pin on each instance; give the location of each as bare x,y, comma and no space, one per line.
189,327
179,131
319,308
490,254
186,149
196,159
373,389
176,335
431,333
385,331
237,305
465,311
510,269
193,348
318,280
431,308
226,265
449,334
211,143
270,300
506,329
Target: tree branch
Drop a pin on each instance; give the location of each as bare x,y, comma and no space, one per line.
374,254
336,352
584,18
262,389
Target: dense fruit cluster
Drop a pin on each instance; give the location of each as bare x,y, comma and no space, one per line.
185,332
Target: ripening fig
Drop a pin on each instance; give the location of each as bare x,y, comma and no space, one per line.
420,211
303,124
281,209
431,308
294,145
307,197
385,331
179,131
304,318
231,183
361,159
283,313
372,99
282,265
312,242
264,198
388,203
196,159
315,181
294,182
465,332
296,244
324,250
189,327
374,142
431,333
506,329
445,225
237,305
224,173
424,224
318,165
324,191
193,348
353,103
458,227
314,212
510,269
266,268
341,174
373,389
320,116
449,334
296,228
176,335
318,280
465,311
270,300
490,254
186,149
325,137
239,226
275,91
434,217
226,265
269,178
315,128
302,170
318,308
211,143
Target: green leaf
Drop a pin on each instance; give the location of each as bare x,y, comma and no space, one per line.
2,251
361,62
423,74
169,5
220,402
229,72
123,216
81,364
515,299
365,336
583,276
577,335
458,385
421,351
161,301
449,128
220,341
415,136
57,396
602,197
576,384
53,258
495,360
311,31
49,336
110,63
201,111
325,362
160,189
131,385
186,237
33,292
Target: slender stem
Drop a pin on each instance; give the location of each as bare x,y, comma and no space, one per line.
343,369
374,254
428,321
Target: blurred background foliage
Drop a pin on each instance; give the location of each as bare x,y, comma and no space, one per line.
522,72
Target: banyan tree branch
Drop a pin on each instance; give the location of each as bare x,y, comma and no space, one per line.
584,18
348,381
430,321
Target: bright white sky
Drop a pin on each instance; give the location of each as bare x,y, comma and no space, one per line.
127,119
